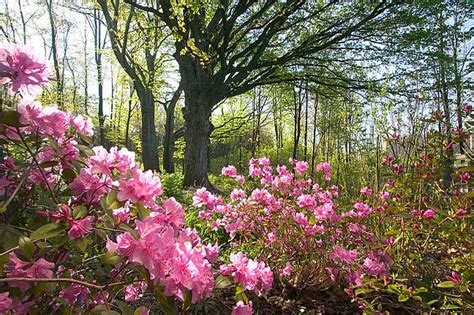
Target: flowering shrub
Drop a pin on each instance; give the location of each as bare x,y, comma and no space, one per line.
296,227
96,226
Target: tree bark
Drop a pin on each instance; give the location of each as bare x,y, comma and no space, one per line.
149,139
169,139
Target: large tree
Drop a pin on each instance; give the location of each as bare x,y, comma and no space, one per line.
225,48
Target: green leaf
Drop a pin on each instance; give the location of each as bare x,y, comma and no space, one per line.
47,231
141,310
49,164
68,175
79,212
81,243
142,211
446,284
403,297
2,209
110,258
26,246
10,118
110,201
222,282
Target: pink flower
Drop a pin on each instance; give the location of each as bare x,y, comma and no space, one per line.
89,188
301,167
429,214
83,125
8,164
253,275
468,109
366,191
344,255
75,293
237,194
271,238
464,177
454,277
4,185
374,267
306,201
135,291
40,269
16,268
229,171
80,228
143,187
22,69
5,302
212,251
242,309
461,212
174,211
326,168
301,218
286,272
47,121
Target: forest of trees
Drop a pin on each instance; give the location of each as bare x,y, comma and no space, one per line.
195,85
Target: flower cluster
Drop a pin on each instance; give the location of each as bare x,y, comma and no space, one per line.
174,257
251,274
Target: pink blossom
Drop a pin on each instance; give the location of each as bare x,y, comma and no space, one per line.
143,187
301,167
324,212
464,177
454,277
242,309
20,308
237,194
461,212
88,187
22,69
135,291
80,228
204,197
326,168
174,212
429,214
4,185
306,201
8,164
16,268
468,109
374,267
83,125
286,272
253,275
47,121
301,218
40,269
229,171
5,302
122,214
344,255
75,293
212,251
366,191
271,238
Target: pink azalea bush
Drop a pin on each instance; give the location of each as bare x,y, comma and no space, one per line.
298,227
86,207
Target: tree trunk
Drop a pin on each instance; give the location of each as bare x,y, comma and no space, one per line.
169,139
148,135
198,129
